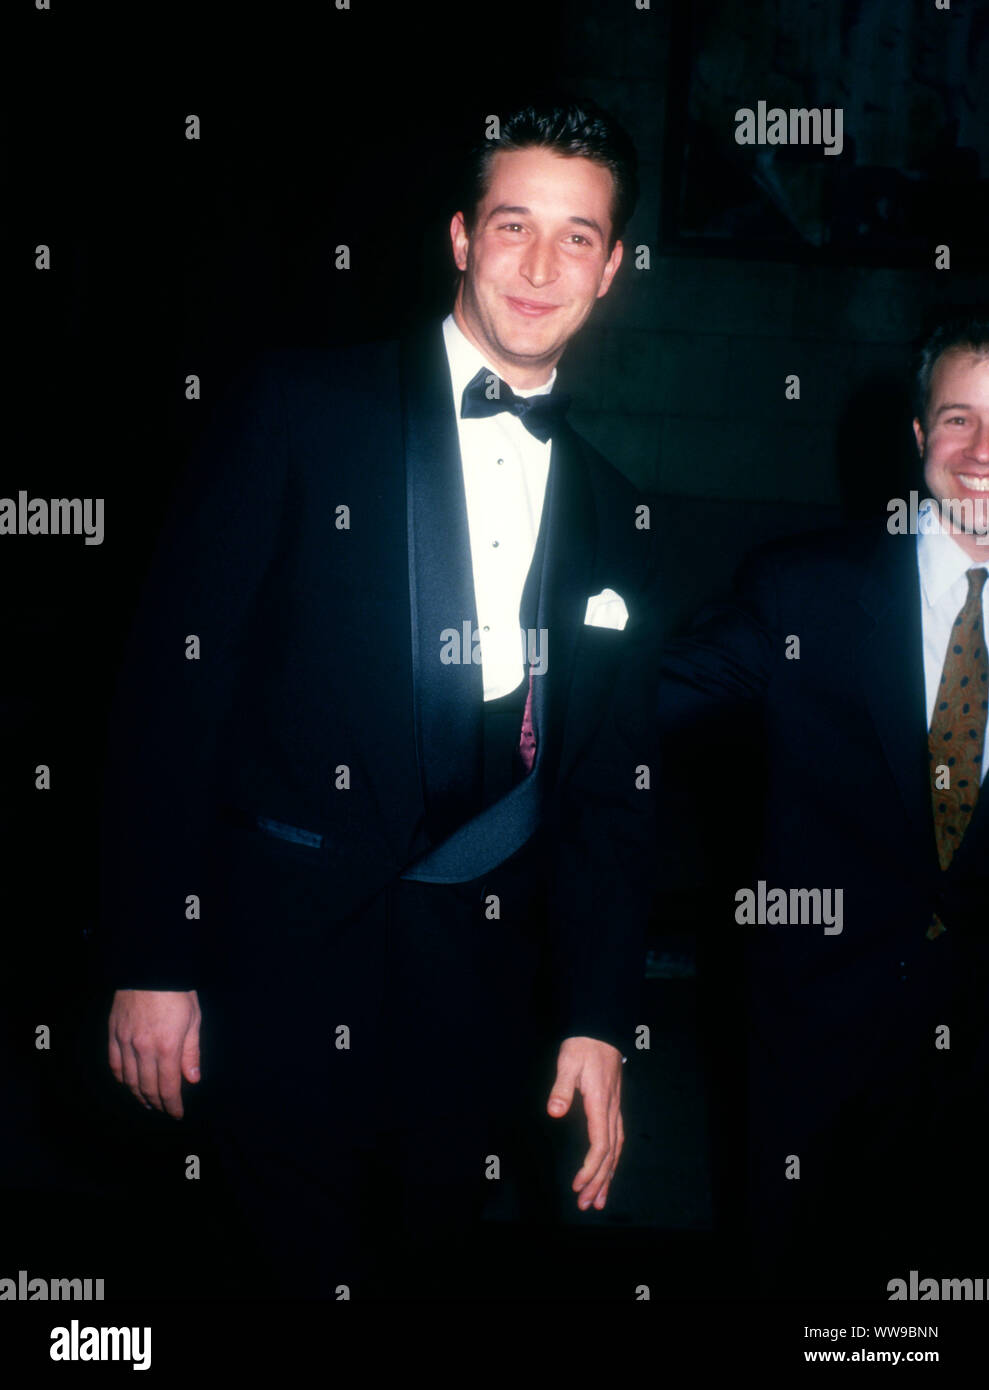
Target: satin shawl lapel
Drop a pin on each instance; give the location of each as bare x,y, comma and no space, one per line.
448,694
568,566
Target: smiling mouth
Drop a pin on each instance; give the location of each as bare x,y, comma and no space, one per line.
530,308
975,482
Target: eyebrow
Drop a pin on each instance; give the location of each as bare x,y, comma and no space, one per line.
957,406
527,212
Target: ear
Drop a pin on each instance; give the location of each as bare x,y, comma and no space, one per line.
610,267
460,240
918,434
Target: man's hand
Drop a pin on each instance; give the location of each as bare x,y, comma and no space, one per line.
154,1043
595,1070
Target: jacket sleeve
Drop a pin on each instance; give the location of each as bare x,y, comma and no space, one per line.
180,667
722,665
686,695
601,886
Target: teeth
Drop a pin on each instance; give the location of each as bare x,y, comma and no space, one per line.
974,483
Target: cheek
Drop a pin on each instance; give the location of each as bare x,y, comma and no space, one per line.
938,457
940,448
585,282
496,268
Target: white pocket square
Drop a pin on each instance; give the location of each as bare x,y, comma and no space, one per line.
606,609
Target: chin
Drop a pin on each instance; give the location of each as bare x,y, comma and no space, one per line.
532,345
522,345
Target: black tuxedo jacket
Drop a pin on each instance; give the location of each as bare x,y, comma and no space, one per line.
824,756
316,736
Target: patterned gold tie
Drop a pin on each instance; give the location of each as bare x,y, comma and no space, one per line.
958,729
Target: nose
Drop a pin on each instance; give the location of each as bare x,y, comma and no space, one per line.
979,448
538,264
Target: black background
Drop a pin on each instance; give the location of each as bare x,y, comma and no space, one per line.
170,257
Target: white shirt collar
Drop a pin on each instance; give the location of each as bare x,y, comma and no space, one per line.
466,361
940,559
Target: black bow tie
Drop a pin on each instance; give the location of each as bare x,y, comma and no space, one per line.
486,394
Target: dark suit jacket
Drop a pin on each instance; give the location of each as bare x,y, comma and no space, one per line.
311,660
823,760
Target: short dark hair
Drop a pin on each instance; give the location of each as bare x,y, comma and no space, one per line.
569,126
962,332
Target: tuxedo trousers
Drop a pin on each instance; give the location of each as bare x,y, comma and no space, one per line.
361,1078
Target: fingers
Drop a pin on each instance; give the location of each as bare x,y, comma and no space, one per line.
592,1067
147,1074
116,1061
597,1164
153,1044
129,1064
159,1079
124,1065
190,1052
561,1096
619,1144
607,1135
170,1084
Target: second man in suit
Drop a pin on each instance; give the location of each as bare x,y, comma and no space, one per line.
837,703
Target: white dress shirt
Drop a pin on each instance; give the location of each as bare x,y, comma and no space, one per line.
943,569
505,470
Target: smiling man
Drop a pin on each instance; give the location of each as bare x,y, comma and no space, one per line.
952,433
365,779
540,248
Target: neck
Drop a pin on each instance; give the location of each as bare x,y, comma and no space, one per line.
518,377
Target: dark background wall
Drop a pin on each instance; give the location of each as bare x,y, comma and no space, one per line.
172,256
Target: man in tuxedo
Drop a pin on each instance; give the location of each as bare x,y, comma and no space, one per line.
837,703
368,673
